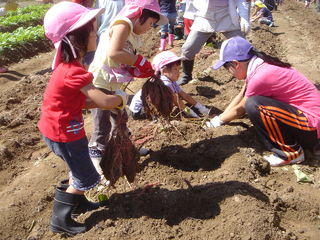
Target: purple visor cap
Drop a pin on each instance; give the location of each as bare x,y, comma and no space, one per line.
236,48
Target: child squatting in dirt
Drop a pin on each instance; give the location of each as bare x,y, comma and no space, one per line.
72,29
167,67
116,63
262,14
282,104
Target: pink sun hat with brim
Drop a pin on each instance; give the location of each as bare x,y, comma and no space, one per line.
133,8
164,58
63,18
234,49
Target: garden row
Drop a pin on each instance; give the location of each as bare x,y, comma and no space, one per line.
23,17
22,34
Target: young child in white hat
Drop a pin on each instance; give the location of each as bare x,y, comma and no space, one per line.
167,66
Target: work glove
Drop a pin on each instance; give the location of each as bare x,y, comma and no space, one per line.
137,74
190,112
244,25
214,122
124,98
203,109
243,8
144,67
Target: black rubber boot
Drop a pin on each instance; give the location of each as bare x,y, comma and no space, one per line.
84,204
64,184
178,32
187,67
61,221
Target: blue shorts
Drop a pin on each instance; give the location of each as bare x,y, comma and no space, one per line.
76,155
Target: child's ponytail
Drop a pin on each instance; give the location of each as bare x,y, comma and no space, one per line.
156,97
269,59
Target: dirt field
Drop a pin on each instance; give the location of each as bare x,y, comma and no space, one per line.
208,184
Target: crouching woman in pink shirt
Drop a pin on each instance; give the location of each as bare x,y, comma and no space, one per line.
282,104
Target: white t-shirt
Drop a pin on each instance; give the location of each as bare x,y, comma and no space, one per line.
171,84
136,103
220,15
190,11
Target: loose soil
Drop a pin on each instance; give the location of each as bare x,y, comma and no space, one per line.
209,184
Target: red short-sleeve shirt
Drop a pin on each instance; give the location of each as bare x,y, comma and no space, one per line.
61,112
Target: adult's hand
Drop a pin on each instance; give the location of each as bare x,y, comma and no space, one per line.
245,25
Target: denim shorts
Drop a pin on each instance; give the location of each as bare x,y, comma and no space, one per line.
76,155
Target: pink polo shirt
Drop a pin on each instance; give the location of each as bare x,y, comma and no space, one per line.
286,85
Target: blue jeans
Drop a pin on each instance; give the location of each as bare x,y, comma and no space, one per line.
76,155
265,21
170,26
318,5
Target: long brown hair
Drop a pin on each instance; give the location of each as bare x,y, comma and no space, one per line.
79,39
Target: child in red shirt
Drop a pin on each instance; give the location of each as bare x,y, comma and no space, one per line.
72,29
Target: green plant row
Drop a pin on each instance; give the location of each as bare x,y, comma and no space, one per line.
19,37
28,9
33,18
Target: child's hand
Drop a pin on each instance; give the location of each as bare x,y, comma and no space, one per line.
190,112
144,66
214,122
203,109
124,98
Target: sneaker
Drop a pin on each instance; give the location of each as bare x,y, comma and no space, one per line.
96,156
271,24
276,161
144,151
95,153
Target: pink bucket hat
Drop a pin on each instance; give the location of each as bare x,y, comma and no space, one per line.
164,58
63,18
133,8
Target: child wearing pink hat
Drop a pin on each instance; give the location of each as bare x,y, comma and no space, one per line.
168,8
167,66
116,62
72,29
282,104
